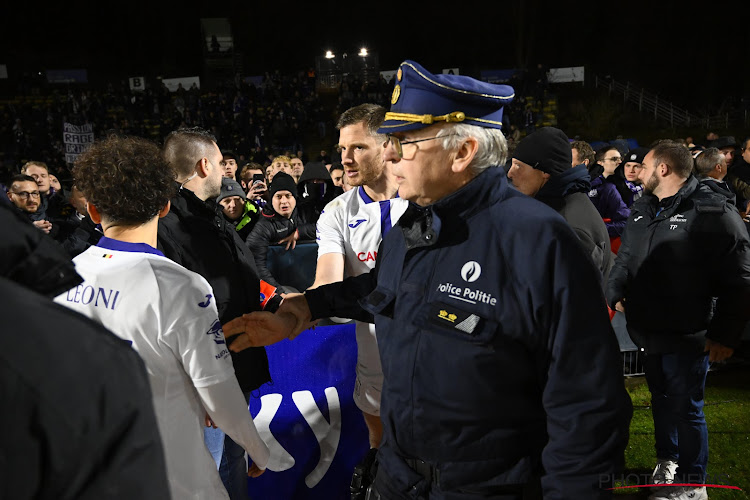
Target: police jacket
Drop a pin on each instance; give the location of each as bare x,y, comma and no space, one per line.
677,254
271,228
196,235
499,360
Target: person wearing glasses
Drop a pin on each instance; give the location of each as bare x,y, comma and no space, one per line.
501,369
25,195
349,232
604,194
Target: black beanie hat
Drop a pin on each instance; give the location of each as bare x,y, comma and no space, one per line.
282,182
547,149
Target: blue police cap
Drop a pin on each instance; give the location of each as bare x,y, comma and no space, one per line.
421,99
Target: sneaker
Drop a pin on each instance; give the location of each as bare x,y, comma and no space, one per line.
664,472
680,493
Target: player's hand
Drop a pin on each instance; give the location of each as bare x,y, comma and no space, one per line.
263,328
208,422
295,304
620,306
44,225
254,470
717,352
291,240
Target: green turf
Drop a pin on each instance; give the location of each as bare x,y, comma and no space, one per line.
728,415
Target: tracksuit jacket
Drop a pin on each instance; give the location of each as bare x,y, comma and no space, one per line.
676,256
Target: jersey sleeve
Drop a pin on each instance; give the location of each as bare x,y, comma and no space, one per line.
329,231
193,332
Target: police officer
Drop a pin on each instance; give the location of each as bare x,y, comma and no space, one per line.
501,369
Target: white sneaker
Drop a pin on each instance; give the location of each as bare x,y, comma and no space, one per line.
680,493
664,472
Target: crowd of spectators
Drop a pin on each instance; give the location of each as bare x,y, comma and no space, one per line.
258,122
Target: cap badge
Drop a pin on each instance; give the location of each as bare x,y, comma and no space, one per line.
396,94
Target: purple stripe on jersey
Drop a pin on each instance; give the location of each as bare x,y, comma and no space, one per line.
385,217
365,197
124,246
385,211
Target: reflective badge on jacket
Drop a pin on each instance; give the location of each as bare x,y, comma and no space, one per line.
444,315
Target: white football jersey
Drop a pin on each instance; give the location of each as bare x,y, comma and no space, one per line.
352,224
169,315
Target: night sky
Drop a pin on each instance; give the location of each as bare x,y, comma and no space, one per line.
680,51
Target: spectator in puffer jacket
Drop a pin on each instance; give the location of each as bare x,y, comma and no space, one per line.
279,223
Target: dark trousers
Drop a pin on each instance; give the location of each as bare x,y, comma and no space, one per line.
677,382
429,489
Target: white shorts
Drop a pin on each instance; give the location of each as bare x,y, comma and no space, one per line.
369,382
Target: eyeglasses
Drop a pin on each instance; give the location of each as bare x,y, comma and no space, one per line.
398,144
616,159
24,195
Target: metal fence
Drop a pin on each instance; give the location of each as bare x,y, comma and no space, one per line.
632,362
662,109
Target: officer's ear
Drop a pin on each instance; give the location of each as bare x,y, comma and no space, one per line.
465,153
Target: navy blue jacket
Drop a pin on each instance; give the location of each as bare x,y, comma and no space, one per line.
499,359
608,202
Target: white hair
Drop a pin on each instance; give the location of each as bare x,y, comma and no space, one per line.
492,150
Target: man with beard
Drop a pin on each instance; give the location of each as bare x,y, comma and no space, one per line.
683,246
349,232
480,295
196,235
25,195
542,168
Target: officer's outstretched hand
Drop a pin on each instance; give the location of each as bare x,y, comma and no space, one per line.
262,328
717,352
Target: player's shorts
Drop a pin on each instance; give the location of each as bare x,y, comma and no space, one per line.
369,382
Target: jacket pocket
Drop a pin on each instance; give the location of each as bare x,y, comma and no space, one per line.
457,323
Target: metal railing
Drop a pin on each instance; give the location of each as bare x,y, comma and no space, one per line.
662,109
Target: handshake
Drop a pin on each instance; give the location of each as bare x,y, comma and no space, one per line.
263,328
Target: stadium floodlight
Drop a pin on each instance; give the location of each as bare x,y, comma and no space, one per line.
329,54
363,52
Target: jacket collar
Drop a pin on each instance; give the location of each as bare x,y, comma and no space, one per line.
188,201
666,206
422,225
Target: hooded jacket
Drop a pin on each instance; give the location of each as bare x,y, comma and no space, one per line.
313,197
566,193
